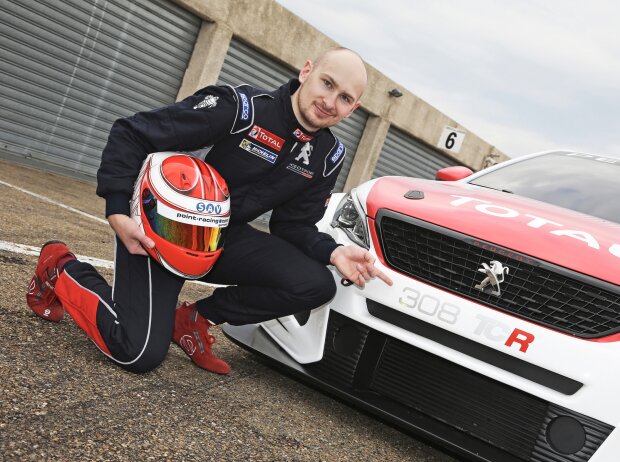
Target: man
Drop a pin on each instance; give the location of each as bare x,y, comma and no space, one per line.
276,152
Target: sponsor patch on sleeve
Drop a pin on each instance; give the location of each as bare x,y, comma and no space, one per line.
209,102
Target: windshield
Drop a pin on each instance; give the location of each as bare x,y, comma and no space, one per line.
580,182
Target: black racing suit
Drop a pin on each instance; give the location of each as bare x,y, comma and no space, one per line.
269,162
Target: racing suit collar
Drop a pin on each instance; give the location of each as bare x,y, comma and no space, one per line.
293,126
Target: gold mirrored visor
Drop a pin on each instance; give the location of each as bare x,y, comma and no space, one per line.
198,238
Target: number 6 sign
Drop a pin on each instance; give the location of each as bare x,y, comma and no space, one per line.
451,139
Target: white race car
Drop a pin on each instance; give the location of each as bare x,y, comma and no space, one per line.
500,338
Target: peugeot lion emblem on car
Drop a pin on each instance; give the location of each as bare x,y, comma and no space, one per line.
495,276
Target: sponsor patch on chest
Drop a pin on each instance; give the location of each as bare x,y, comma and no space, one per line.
266,137
301,136
304,154
259,151
300,170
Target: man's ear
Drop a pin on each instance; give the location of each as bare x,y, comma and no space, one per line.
305,71
355,106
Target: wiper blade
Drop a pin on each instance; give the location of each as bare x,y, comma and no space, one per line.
494,189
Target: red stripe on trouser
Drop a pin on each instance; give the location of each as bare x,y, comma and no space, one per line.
82,305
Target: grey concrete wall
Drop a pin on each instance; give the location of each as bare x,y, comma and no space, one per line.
278,33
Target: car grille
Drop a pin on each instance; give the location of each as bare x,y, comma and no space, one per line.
538,291
425,391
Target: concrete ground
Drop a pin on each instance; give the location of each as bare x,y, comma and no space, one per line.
60,399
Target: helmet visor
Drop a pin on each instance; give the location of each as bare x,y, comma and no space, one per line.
186,235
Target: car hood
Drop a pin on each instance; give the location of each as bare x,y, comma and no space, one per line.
580,242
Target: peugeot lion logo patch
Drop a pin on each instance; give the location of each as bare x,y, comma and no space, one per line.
304,154
494,277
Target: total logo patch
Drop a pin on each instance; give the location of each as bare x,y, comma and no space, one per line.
301,136
266,137
300,170
258,151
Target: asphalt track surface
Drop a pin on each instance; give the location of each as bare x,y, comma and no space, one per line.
61,399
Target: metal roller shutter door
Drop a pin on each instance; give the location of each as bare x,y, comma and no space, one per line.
72,67
403,155
349,131
244,64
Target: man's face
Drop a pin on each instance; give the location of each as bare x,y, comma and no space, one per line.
329,91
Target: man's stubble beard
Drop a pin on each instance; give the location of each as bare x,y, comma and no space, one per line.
306,111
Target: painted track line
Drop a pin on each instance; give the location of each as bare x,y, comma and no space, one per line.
52,201
33,251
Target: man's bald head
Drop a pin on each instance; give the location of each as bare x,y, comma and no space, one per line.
330,88
348,58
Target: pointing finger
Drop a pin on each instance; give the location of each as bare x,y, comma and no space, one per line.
384,278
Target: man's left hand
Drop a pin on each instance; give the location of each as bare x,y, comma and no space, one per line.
357,265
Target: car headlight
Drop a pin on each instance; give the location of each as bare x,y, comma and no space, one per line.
350,217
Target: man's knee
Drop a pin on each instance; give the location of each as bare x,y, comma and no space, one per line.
147,360
319,288
327,287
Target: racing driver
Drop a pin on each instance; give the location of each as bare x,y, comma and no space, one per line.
275,151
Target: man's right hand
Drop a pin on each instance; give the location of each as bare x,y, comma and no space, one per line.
130,234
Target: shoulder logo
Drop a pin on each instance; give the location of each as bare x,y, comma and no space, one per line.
209,102
334,158
336,155
244,97
245,107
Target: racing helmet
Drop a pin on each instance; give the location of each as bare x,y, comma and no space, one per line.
183,205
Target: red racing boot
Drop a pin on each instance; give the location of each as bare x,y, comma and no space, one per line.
40,296
191,333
